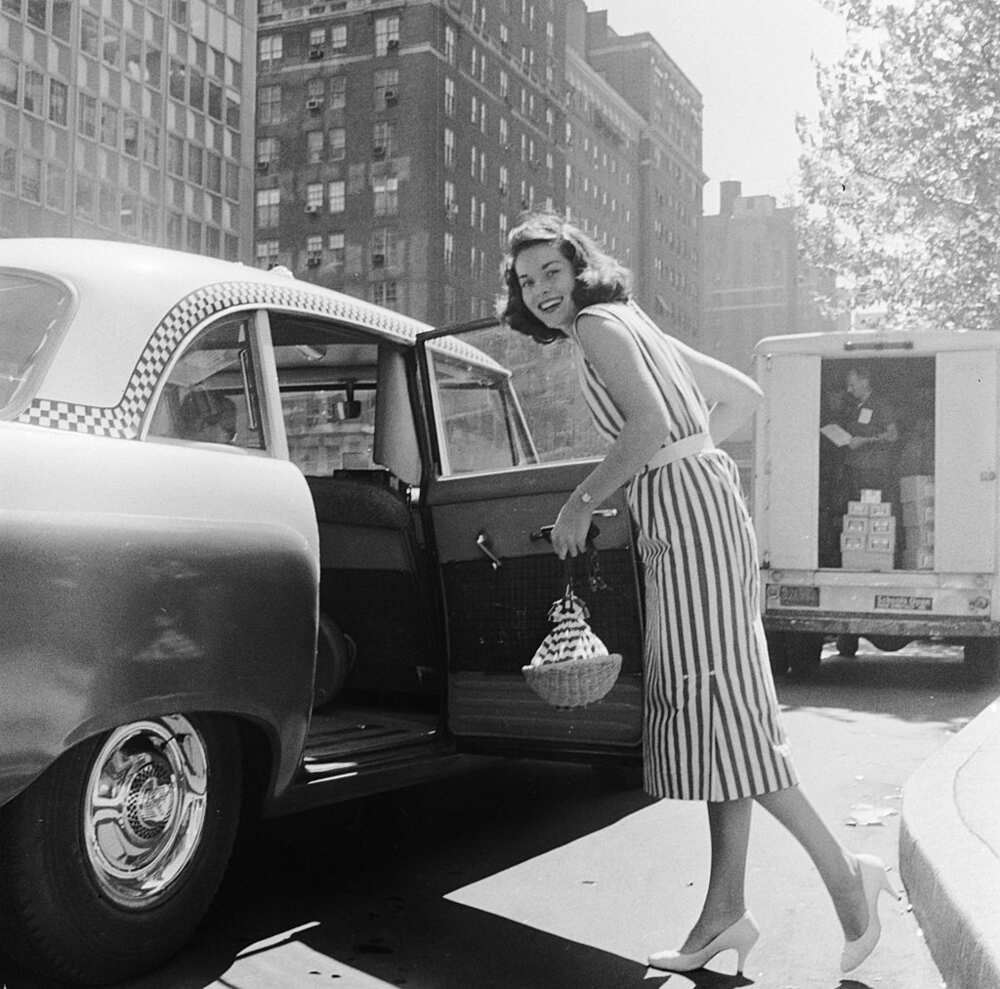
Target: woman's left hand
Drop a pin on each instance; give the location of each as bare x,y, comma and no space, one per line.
569,534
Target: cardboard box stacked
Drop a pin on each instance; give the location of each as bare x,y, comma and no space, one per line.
868,539
916,492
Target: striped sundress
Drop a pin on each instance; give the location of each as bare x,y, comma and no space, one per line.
711,728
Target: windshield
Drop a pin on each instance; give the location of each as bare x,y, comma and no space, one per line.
32,313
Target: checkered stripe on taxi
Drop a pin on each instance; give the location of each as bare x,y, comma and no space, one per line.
123,420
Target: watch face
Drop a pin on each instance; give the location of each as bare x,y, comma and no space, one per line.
585,497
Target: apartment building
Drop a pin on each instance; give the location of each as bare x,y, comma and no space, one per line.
397,144
129,119
755,284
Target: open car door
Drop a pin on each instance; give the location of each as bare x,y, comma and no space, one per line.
511,439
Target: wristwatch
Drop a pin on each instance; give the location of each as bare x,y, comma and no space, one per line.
586,497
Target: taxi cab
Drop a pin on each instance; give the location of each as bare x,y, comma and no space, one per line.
264,546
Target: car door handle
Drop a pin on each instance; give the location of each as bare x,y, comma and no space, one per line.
483,542
545,531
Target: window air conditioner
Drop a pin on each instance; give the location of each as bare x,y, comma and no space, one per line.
378,260
312,262
315,53
391,97
393,44
378,151
263,164
313,103
312,209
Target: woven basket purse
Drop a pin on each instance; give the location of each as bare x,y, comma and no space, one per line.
572,667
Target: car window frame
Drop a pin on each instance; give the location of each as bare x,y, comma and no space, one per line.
274,442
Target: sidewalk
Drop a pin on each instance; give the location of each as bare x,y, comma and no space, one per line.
949,853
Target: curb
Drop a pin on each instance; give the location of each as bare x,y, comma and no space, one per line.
947,860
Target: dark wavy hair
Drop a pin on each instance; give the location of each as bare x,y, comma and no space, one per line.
599,277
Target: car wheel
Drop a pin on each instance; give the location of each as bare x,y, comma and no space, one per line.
804,650
982,660
113,855
847,645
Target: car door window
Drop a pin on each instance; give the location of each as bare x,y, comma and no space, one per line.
502,401
211,395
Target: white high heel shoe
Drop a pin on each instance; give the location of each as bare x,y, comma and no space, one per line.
873,881
741,936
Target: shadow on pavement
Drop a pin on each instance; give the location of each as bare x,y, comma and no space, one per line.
356,892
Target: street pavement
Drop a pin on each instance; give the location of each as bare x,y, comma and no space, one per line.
541,876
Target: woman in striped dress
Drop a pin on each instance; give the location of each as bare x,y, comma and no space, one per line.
711,728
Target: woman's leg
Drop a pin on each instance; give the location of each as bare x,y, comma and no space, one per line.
725,903
837,866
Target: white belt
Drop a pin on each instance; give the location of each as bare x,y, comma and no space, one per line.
687,447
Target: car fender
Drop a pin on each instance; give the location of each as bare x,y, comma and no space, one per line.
147,578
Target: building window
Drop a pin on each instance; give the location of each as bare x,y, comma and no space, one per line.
34,92
386,195
314,249
109,125
267,152
338,143
449,147
449,251
266,252
314,146
338,37
269,51
196,164
502,228
130,135
386,34
151,142
383,247
317,37
474,109
384,294
338,92
504,141
335,246
383,139
504,36
316,88
8,80
386,88
269,105
503,180
314,196
449,44
473,160
449,97
31,179
87,116
336,192
504,84
90,36
450,204
58,100
268,206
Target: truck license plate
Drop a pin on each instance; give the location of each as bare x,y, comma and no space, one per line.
903,602
798,597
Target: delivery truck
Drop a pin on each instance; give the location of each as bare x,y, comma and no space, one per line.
875,492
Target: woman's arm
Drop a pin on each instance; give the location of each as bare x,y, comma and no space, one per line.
613,353
731,395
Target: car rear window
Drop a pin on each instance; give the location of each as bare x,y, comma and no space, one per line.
33,312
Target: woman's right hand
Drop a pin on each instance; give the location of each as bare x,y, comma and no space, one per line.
569,534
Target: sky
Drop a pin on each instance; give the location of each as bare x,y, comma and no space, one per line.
751,61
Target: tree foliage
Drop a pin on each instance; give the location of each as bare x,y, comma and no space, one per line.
900,171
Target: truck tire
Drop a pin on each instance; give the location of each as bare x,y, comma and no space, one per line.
777,651
982,660
847,645
888,643
112,856
803,650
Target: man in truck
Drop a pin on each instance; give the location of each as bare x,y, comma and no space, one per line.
871,453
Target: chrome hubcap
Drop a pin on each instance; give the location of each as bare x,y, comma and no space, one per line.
144,811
